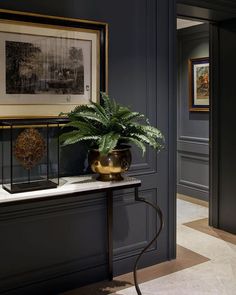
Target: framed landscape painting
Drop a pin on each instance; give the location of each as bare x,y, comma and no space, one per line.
50,65
199,84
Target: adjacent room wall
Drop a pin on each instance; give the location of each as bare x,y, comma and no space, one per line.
193,127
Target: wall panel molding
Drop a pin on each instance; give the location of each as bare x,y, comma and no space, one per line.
46,232
80,265
195,156
149,222
194,185
193,139
193,147
42,243
189,181
148,166
63,269
40,212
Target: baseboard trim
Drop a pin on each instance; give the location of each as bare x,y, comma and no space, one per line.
193,200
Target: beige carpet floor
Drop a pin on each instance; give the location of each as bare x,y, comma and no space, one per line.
202,226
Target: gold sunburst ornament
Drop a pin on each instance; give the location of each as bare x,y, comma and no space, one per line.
30,147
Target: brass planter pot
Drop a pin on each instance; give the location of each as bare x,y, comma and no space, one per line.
110,166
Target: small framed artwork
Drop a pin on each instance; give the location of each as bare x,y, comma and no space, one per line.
199,84
49,64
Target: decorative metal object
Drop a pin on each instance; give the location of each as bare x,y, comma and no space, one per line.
30,148
30,155
160,215
111,165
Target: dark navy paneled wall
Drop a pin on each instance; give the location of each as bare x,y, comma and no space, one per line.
57,245
193,127
226,104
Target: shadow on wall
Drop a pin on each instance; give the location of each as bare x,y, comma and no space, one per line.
73,160
121,223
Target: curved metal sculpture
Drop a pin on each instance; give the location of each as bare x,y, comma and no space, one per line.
160,215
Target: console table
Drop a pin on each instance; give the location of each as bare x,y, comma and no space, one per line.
82,185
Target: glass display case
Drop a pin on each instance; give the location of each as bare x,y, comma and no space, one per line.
30,155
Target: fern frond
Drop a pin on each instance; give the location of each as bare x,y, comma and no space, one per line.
84,127
146,139
67,135
121,112
148,130
106,102
77,138
100,110
110,105
131,116
75,124
92,116
79,109
137,142
110,124
152,131
108,142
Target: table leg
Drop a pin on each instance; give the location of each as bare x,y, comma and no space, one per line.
110,233
160,215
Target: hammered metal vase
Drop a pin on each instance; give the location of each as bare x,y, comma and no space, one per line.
111,165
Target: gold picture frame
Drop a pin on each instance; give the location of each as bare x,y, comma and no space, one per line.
198,72
50,64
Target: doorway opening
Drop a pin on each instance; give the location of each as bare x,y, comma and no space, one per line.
193,111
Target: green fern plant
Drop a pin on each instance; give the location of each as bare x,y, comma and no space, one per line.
110,125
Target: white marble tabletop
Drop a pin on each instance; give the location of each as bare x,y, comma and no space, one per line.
68,185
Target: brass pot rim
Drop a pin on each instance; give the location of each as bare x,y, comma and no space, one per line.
117,149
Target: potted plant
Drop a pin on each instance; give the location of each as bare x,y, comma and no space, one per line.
109,128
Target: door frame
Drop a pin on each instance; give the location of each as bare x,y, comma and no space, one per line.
214,126
214,13
213,120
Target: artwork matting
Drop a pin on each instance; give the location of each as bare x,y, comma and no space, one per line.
49,64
